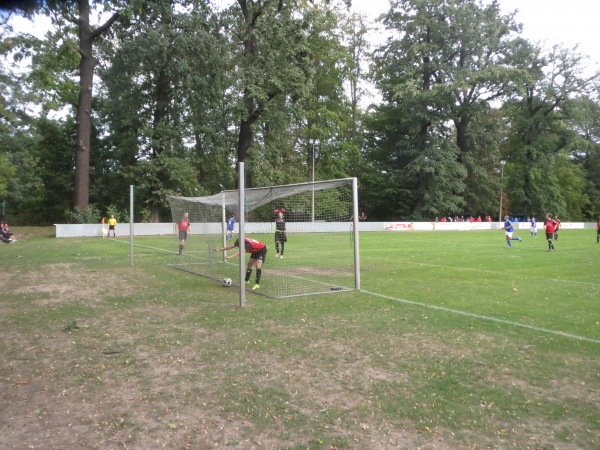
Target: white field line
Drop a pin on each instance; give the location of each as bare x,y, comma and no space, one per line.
174,251
492,272
482,317
205,261
464,313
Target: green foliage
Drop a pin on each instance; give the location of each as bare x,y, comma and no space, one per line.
6,173
442,69
185,91
120,215
582,114
91,215
70,327
571,179
542,179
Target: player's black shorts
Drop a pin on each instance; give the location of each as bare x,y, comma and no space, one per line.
280,236
111,227
182,235
549,235
261,254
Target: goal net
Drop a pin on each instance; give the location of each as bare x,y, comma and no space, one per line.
309,230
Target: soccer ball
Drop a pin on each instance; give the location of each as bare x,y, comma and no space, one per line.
227,282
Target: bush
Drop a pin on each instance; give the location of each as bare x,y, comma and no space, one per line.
121,216
77,215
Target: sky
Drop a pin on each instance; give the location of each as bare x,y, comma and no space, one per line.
550,22
567,22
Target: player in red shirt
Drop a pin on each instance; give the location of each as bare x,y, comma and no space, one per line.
258,255
556,226
549,225
183,226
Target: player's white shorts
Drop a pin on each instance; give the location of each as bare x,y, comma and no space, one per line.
509,234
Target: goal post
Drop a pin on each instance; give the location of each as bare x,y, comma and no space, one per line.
310,230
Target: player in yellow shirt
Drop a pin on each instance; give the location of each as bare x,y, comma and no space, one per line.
112,226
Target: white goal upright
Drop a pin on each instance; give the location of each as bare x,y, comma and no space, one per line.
310,230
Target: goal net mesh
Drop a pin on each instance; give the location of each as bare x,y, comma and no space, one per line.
310,252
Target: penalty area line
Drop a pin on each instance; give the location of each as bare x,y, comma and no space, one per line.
487,318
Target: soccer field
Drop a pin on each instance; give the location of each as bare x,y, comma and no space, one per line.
472,273
454,341
477,273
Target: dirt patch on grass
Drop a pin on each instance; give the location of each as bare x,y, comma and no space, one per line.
63,283
157,373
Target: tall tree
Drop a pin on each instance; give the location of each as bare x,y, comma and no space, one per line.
540,131
77,13
272,64
167,102
87,36
483,68
411,126
584,118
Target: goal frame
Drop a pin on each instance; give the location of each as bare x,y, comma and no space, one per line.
244,200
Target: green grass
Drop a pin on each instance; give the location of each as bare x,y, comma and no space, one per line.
454,341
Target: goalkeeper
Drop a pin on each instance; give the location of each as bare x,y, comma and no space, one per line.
280,235
258,255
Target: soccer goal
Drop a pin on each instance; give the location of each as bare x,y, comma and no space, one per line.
310,230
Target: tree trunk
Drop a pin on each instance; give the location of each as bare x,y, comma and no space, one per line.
244,142
84,102
84,108
154,214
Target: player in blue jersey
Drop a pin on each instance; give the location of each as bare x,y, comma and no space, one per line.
533,228
508,228
230,225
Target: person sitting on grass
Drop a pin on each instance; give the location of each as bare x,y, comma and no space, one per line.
5,235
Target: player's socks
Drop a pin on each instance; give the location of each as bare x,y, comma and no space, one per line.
248,273
258,274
